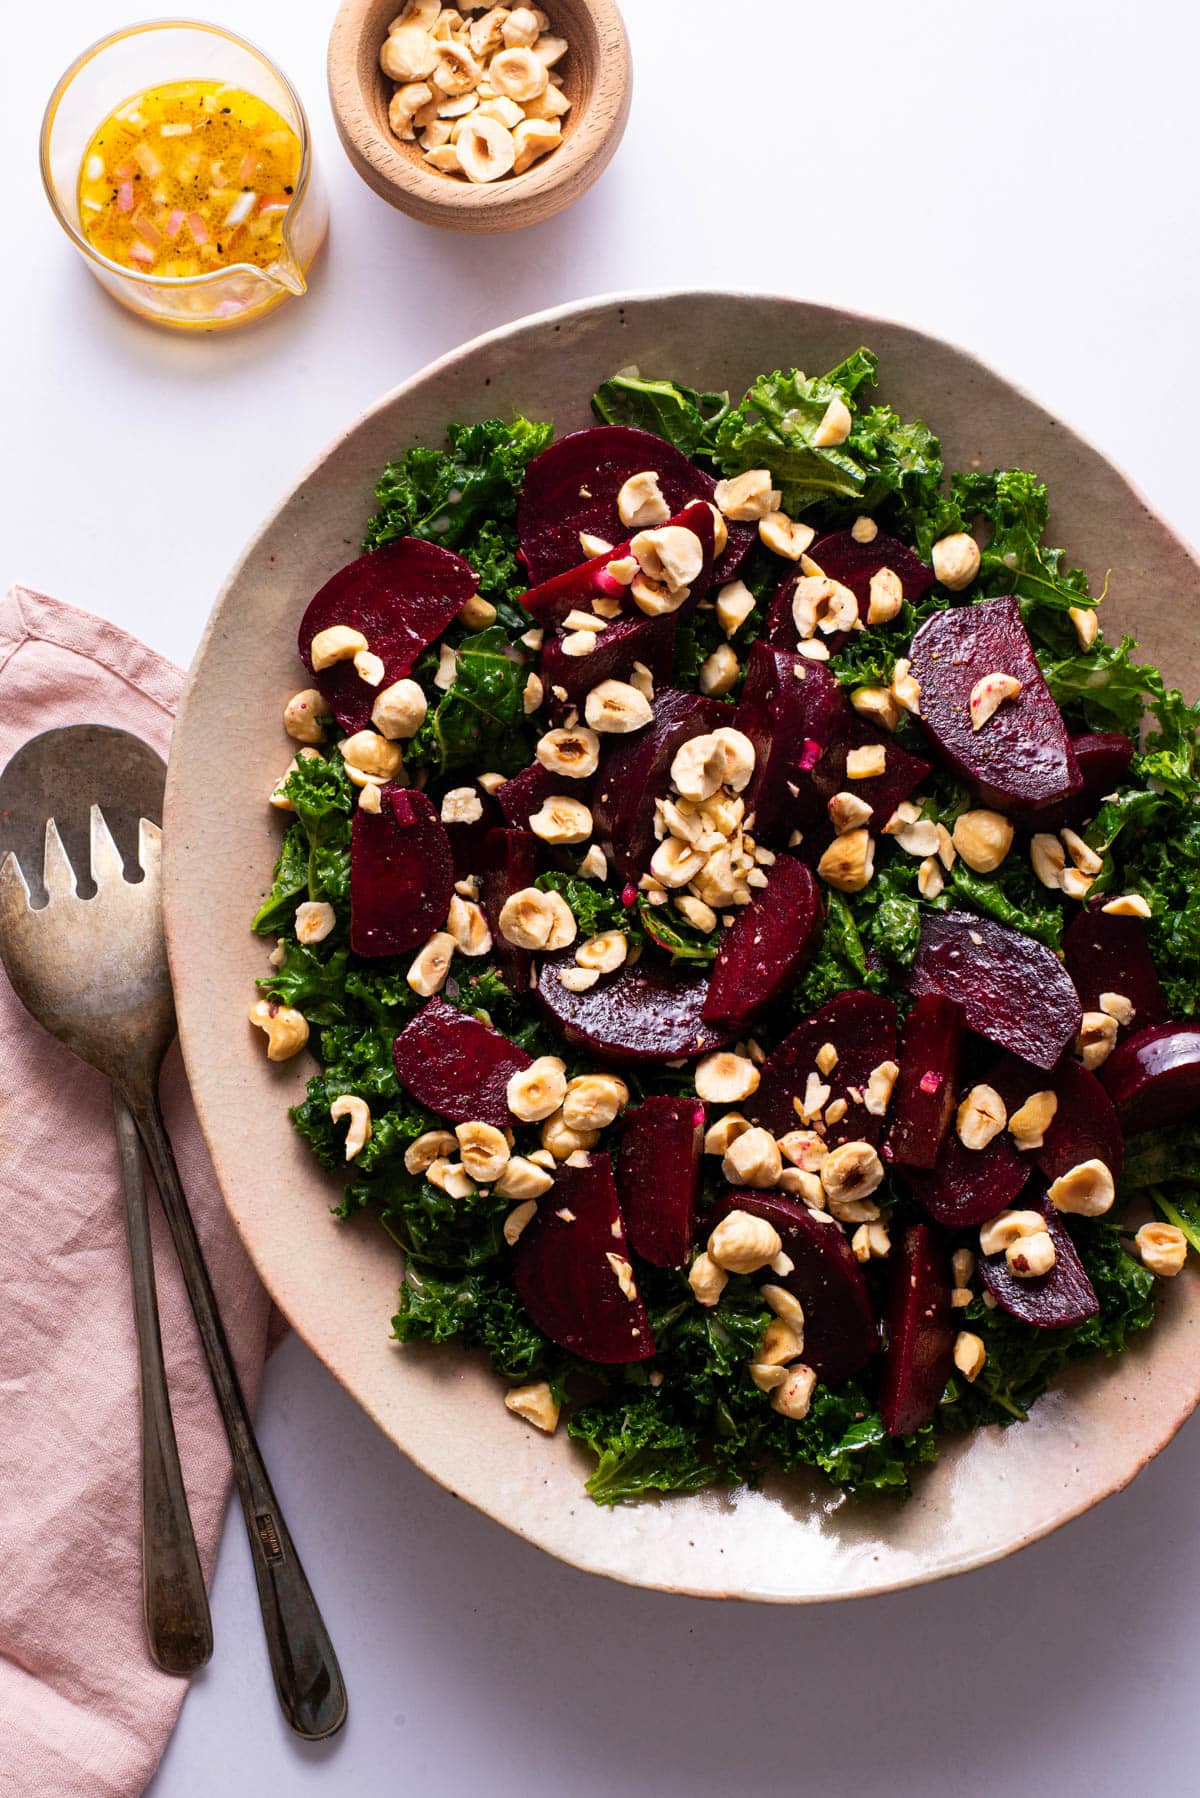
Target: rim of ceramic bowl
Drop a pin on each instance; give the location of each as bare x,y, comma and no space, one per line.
951,1565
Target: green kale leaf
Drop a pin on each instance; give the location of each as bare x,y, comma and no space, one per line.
776,424
463,497
682,416
1015,560
641,1446
479,722
596,908
480,1310
277,912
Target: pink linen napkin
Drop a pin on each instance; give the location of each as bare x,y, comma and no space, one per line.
84,1712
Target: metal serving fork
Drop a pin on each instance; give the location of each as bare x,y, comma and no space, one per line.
94,972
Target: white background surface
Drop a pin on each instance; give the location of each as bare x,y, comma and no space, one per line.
1019,177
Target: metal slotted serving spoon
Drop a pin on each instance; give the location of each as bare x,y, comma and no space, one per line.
37,780
93,971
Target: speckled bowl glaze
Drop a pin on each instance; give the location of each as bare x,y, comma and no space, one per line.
792,1542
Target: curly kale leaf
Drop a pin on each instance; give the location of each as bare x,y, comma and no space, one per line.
682,416
775,427
312,984
596,908
868,658
278,910
843,1436
1021,1362
680,940
479,722
840,962
1012,895
1016,506
463,497
641,1446
479,1310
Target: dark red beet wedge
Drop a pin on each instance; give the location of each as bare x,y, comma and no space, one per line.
862,1028
840,1334
648,1012
1106,954
457,1066
528,791
573,486
1052,1301
1022,758
919,1357
1103,757
793,712
467,840
1085,1126
1153,1078
853,564
564,1275
902,774
967,1186
1013,990
768,943
636,770
577,587
401,874
658,1177
511,861
650,641
926,1091
401,598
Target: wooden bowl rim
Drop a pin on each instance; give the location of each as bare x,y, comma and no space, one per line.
396,176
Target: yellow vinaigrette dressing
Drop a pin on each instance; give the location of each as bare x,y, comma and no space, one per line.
189,177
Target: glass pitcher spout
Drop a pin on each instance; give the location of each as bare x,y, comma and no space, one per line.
285,273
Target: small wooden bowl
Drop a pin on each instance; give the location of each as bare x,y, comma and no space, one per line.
597,78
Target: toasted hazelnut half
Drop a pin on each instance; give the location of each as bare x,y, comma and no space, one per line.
956,560
725,1078
1086,1190
1162,1248
742,1243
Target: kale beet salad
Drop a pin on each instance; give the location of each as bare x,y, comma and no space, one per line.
747,918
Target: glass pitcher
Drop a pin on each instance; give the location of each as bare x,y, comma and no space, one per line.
111,73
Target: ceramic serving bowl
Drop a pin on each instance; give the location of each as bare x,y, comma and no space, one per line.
794,1541
597,78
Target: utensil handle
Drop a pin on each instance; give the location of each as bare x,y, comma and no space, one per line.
178,1623
307,1676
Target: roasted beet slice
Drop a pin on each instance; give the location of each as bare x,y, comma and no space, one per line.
569,679
648,1012
577,587
1051,1301
401,874
925,1094
401,598
564,1274
1085,1126
457,1066
769,941
919,1357
511,861
528,791
1013,990
573,486
902,772
840,1335
658,1176
839,555
1153,1078
1022,757
636,770
468,836
1103,757
862,1028
792,711
967,1186
1106,954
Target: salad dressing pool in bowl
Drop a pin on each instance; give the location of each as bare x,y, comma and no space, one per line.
179,162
